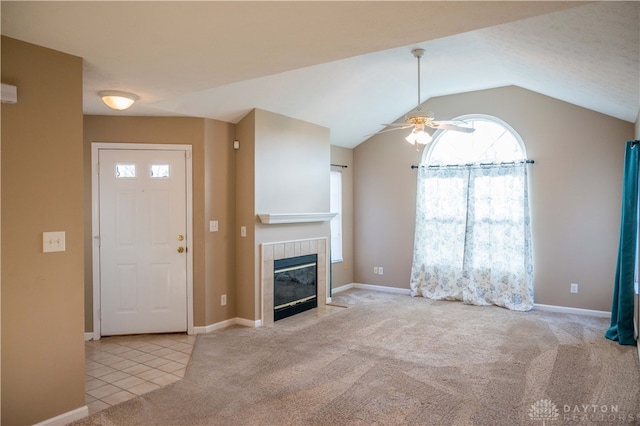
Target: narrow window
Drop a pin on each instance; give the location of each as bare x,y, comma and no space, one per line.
336,222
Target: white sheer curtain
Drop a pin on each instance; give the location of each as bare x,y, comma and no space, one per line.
472,238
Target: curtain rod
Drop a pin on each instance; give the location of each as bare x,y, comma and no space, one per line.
339,165
474,164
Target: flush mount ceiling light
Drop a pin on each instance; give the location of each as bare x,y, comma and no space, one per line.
117,100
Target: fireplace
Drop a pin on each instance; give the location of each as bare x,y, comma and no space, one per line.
280,250
294,285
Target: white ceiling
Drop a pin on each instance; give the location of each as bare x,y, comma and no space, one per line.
344,65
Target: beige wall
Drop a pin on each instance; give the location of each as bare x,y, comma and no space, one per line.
384,202
575,208
575,194
288,161
292,160
291,165
342,272
245,216
219,259
211,143
42,293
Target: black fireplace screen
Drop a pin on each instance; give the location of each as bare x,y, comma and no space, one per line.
294,286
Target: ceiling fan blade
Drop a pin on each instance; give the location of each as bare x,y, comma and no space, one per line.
390,130
446,126
403,125
454,122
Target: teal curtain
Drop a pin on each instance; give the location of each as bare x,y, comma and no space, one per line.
621,329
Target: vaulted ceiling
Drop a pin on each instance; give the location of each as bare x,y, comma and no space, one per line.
344,65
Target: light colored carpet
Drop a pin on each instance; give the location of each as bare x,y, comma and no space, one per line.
389,359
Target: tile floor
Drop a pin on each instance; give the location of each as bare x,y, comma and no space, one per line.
122,367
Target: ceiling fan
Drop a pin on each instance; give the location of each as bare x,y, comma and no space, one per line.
419,119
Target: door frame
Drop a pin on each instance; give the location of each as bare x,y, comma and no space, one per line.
95,221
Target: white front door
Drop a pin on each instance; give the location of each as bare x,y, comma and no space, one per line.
143,241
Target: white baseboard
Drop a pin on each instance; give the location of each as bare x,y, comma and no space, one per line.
68,417
386,289
227,323
213,327
249,323
577,311
258,323
341,288
541,307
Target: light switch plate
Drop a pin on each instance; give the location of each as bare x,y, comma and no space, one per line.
53,241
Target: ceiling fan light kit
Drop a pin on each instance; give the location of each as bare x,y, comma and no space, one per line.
419,136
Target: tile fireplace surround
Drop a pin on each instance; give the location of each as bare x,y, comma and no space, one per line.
269,252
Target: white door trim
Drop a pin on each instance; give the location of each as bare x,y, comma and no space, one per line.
95,222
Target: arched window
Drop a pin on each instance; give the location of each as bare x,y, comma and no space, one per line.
493,141
472,235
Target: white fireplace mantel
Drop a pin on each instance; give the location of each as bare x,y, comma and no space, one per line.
281,218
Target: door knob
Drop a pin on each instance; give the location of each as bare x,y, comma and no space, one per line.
180,249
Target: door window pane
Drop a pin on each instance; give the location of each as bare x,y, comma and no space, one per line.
125,171
159,170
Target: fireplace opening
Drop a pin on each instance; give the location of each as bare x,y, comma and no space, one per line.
294,285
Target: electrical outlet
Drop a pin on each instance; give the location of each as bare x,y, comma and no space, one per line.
213,226
380,270
574,288
375,270
223,300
